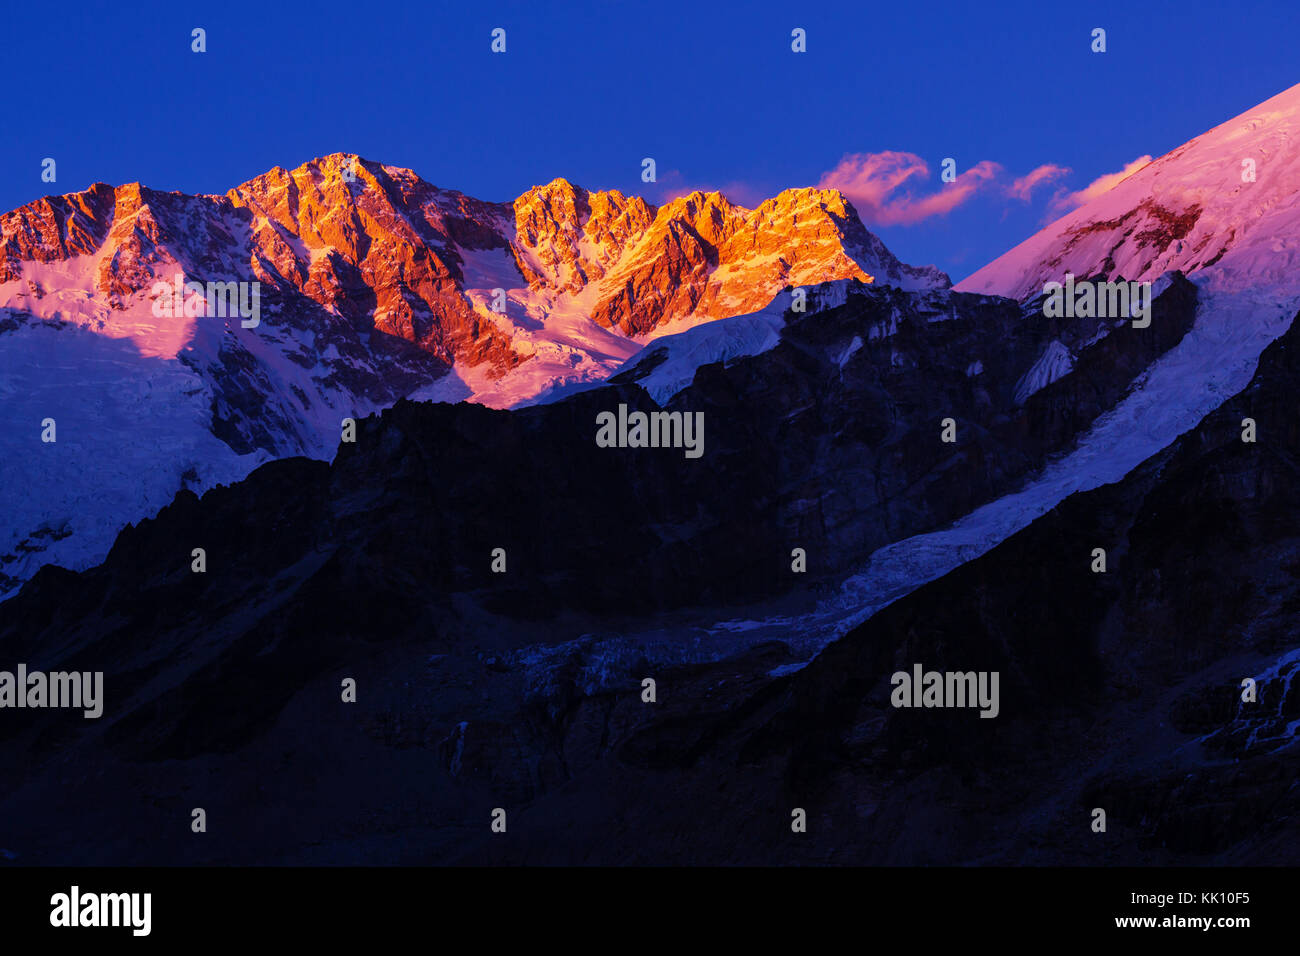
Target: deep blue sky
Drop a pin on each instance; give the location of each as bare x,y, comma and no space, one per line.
585,91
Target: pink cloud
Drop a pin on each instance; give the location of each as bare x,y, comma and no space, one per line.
877,184
1063,203
1023,187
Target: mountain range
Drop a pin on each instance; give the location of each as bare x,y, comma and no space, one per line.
375,286
944,461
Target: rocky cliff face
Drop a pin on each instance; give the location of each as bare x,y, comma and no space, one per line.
382,249
523,686
1121,690
373,285
704,257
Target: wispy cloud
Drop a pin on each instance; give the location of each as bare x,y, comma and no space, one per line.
894,187
1024,187
1064,202
879,185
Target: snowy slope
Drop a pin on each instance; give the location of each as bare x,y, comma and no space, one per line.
1188,210
669,363
131,430
1237,241
1055,362
375,286
1214,362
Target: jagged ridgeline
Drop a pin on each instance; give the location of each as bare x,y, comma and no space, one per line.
370,285
1069,529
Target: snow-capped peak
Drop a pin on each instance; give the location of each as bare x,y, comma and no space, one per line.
1225,202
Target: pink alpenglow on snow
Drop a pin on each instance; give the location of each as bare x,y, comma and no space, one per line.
1098,187
1224,203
